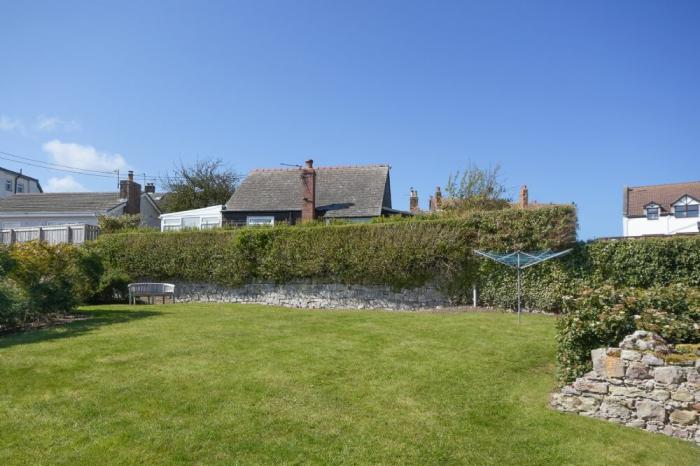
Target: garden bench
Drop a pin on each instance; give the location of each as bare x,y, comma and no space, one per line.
150,290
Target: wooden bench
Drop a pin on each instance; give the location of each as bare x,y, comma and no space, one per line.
151,290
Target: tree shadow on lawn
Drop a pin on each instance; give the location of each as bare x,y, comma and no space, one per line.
95,319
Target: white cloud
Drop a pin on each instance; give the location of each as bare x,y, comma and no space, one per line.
85,157
10,124
66,184
50,124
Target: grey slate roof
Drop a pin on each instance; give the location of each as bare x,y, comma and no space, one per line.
60,202
360,191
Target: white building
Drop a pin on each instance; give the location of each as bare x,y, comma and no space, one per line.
664,209
206,217
37,209
12,182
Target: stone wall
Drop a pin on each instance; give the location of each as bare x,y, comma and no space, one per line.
645,383
310,295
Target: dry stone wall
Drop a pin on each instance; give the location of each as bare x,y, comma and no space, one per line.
644,383
314,295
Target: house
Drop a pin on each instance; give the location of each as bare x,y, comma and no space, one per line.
43,209
12,182
270,196
663,209
204,218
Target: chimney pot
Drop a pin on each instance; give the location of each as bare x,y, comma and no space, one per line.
413,201
131,175
150,188
310,163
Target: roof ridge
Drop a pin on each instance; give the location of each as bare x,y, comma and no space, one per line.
663,184
335,167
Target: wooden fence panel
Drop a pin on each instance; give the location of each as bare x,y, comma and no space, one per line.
55,234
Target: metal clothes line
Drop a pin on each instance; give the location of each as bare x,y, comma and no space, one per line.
521,260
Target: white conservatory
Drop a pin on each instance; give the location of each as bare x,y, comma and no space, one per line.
207,217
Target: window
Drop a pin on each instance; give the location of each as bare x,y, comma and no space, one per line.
20,187
652,213
8,185
685,208
263,220
171,224
190,222
210,222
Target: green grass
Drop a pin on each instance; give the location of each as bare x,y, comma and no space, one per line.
227,384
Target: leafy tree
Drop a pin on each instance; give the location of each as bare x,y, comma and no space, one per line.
206,183
476,189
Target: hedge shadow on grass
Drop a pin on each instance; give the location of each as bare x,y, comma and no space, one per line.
97,319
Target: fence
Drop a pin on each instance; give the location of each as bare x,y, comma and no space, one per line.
75,234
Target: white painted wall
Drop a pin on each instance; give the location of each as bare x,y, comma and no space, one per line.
666,224
48,219
30,186
196,218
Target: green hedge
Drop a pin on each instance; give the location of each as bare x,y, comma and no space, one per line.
604,316
643,263
400,254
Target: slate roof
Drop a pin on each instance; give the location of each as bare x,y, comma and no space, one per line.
635,198
360,191
60,202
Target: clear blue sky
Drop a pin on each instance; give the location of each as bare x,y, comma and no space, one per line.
574,99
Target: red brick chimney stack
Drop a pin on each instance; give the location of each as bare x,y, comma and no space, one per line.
413,201
523,197
438,198
131,191
308,192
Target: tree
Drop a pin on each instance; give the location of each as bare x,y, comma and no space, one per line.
476,189
206,183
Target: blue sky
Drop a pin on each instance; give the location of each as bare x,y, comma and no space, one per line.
574,99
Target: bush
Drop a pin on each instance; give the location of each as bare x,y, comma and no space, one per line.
13,304
401,254
604,316
109,224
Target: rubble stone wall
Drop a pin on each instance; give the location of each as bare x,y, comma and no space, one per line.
314,295
645,383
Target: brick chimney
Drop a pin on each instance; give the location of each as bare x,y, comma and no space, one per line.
150,188
131,191
308,192
523,197
413,201
438,198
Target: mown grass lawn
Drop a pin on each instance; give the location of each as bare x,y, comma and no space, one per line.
227,384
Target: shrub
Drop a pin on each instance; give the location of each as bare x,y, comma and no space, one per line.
13,304
55,278
109,224
401,254
604,316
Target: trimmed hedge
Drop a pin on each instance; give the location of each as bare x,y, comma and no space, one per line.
400,254
604,316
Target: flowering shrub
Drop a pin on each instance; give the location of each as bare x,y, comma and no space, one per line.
604,316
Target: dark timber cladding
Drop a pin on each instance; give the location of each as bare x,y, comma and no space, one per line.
359,192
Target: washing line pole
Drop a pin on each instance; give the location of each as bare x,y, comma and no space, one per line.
518,289
520,260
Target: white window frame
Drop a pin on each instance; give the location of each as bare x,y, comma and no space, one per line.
260,220
172,224
8,185
210,222
685,201
652,206
20,187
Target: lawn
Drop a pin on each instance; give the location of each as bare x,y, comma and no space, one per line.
227,384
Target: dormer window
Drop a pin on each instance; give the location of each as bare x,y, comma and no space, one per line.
652,212
686,207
